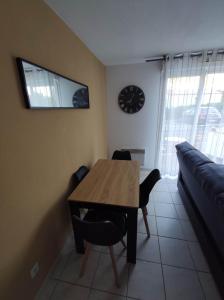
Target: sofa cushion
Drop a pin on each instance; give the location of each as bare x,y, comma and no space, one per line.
211,179
184,147
191,156
194,159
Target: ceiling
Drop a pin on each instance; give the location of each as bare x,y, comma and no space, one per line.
127,31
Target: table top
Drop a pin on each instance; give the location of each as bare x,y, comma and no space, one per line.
112,182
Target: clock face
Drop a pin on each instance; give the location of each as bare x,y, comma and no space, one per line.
81,98
131,99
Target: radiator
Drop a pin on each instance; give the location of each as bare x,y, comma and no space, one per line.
137,154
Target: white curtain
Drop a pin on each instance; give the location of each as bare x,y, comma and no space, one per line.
42,87
192,107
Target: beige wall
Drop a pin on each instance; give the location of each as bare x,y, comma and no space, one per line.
40,149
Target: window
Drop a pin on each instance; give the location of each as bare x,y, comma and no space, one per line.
194,111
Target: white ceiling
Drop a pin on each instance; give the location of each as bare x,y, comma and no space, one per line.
127,31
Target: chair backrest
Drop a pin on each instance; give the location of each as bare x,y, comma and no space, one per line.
78,176
121,155
147,185
104,233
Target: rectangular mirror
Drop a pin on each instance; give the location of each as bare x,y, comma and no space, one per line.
45,89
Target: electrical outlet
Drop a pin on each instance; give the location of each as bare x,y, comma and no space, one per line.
34,270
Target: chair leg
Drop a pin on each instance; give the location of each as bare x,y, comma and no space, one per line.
123,243
146,221
114,266
146,211
85,258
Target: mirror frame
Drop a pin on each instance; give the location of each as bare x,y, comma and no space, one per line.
19,62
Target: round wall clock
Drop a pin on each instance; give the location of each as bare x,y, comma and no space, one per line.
131,99
80,98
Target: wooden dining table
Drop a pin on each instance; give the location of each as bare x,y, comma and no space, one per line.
110,184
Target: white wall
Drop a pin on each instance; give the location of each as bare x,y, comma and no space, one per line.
134,130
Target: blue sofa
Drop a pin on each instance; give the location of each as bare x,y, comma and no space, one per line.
201,186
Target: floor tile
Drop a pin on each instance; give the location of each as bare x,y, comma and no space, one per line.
67,291
198,257
69,244
164,197
150,208
98,248
175,253
104,277
169,227
145,281
165,210
170,180
176,198
182,284
208,284
151,222
119,249
172,187
72,269
148,248
98,295
188,231
181,212
59,265
161,187
46,290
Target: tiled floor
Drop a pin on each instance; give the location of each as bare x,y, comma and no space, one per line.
170,265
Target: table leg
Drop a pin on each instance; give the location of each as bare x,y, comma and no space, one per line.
77,237
132,234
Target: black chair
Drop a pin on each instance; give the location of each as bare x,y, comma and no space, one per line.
103,228
75,180
121,155
78,176
145,188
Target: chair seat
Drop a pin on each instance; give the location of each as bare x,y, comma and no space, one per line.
116,218
103,228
